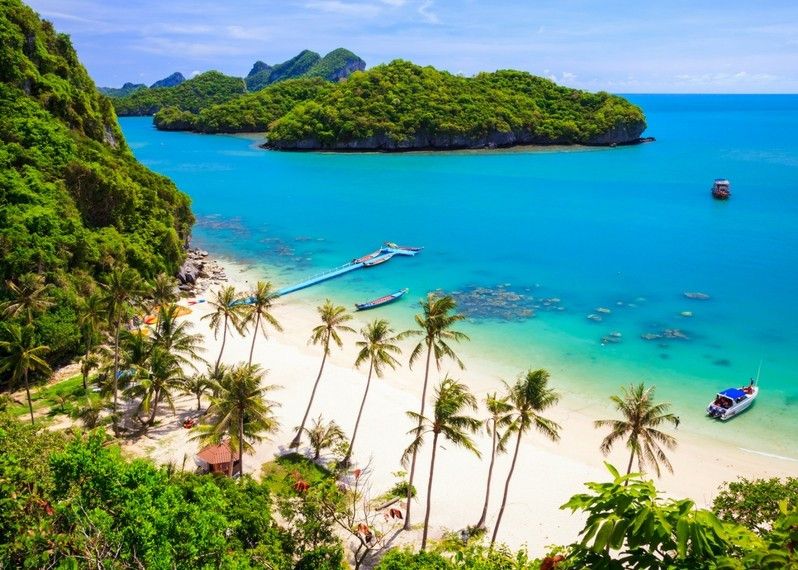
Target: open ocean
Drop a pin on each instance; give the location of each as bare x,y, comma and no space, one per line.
626,229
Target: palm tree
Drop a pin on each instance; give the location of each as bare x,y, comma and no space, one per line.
156,384
377,348
227,310
90,414
121,288
23,356
333,323
435,325
257,311
89,362
196,385
529,396
496,424
240,411
323,436
640,419
163,291
452,399
176,336
91,313
29,296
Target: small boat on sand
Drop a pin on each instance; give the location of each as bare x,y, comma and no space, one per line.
378,260
721,189
732,401
381,301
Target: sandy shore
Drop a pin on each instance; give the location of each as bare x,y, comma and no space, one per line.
547,473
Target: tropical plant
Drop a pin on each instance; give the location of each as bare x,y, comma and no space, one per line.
452,401
196,385
239,412
156,384
227,311
755,504
435,324
121,288
499,420
641,416
90,413
162,291
176,336
88,362
377,348
333,323
529,396
22,357
257,312
323,436
91,318
30,295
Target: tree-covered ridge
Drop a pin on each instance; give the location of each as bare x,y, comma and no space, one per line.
295,67
253,112
197,93
401,106
126,89
73,200
336,65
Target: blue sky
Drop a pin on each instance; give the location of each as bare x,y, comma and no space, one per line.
674,46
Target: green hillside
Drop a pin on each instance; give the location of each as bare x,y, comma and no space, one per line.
74,202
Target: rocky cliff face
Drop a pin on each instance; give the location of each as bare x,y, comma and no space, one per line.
173,80
347,69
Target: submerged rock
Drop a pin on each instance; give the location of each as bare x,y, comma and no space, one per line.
501,302
696,295
687,314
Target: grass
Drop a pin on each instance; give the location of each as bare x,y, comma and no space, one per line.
278,475
53,399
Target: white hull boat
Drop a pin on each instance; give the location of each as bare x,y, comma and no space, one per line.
732,401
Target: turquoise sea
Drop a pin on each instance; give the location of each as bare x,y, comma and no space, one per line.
628,229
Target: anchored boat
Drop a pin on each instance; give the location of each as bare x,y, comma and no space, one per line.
378,260
732,401
381,301
721,189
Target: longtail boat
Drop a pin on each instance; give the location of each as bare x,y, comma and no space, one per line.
404,247
367,257
381,301
378,260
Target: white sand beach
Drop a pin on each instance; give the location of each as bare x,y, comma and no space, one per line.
547,473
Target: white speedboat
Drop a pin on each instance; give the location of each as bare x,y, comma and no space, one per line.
732,401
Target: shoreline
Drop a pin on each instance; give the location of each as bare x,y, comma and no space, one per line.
547,474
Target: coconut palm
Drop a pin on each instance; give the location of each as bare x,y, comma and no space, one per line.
22,357
91,315
29,296
435,326
176,336
122,287
333,323
323,436
499,420
88,362
156,384
641,417
163,291
452,401
378,348
227,311
197,385
257,312
239,411
90,413
529,396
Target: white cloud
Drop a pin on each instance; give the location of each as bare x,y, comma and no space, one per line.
395,3
426,12
344,8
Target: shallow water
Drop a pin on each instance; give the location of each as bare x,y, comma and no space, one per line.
627,229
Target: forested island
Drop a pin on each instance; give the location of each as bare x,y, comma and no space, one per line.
403,106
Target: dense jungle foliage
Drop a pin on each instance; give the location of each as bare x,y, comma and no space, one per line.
74,202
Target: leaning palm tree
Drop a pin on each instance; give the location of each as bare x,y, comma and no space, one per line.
323,436
333,323
435,325
29,296
497,423
529,396
196,385
91,313
122,287
22,357
641,417
378,348
452,400
257,312
239,411
227,311
176,337
156,384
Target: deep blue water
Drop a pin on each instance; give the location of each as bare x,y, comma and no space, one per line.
592,227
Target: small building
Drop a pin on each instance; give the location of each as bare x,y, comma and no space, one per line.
216,458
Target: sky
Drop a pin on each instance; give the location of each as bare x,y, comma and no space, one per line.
641,46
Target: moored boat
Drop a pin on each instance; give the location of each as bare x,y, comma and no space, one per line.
378,260
403,247
381,301
732,401
721,189
367,257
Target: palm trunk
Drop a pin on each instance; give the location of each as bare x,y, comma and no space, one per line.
224,340
116,373
86,375
507,487
154,411
297,439
254,336
481,523
199,402
413,461
429,491
629,467
240,445
30,402
348,457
